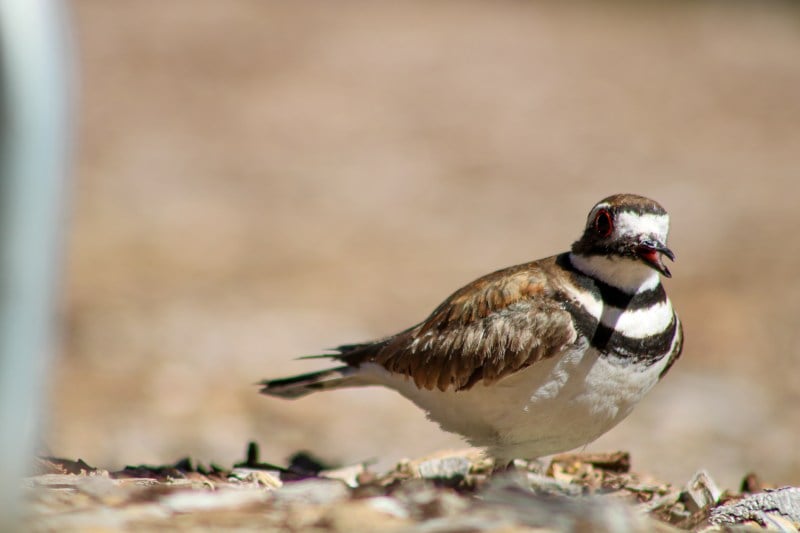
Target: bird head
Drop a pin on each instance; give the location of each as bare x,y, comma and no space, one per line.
627,226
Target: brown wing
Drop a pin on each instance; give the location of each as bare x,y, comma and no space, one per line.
491,328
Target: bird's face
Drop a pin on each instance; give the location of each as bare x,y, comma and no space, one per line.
627,227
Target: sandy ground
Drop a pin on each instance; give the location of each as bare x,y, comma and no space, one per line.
261,180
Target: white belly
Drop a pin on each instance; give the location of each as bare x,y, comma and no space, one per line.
553,406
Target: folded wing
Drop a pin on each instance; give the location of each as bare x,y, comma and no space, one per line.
489,329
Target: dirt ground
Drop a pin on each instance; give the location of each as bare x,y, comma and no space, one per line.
453,490
261,180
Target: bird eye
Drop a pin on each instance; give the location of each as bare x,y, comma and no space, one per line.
603,224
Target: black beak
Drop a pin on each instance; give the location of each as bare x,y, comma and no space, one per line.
651,251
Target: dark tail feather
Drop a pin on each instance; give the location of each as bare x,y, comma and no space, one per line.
297,386
353,354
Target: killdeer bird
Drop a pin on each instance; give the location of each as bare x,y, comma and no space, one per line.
537,358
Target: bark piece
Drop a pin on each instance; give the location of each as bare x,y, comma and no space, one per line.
783,503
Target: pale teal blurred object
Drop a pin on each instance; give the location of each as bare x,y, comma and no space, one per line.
34,157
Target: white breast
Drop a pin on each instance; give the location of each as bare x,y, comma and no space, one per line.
553,406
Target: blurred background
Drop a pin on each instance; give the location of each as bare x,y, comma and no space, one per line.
260,180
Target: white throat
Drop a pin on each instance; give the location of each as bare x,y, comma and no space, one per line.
628,275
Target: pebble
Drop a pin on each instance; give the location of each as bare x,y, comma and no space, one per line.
349,474
187,501
444,468
312,491
264,478
701,492
388,506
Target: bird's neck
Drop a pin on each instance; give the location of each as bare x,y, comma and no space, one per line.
626,274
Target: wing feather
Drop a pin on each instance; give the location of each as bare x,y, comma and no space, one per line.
487,330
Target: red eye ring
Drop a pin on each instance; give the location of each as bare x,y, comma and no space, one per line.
603,224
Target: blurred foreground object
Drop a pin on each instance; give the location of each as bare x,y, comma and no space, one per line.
33,162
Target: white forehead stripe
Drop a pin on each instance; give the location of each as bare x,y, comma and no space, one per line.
632,224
